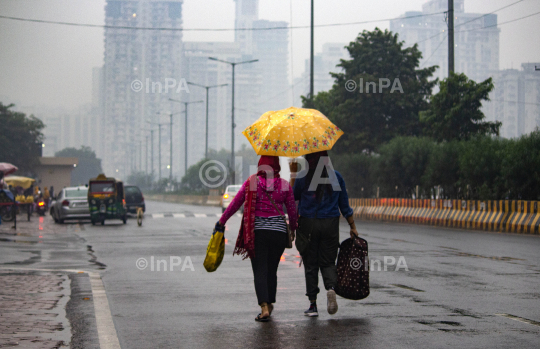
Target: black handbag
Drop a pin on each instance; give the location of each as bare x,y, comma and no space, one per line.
353,269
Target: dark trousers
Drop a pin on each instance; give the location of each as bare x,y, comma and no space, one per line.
321,253
269,246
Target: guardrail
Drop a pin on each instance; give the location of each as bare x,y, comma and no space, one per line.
207,200
514,216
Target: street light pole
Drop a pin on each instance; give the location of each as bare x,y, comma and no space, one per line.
207,89
170,153
233,65
185,130
159,145
146,157
152,155
311,68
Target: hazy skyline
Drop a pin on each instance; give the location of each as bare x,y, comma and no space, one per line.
51,65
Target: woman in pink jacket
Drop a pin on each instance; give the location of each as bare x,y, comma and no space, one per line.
263,232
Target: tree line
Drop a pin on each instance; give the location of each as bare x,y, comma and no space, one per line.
399,139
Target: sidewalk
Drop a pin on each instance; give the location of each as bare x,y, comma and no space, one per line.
32,309
33,295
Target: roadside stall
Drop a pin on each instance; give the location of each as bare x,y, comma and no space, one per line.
24,201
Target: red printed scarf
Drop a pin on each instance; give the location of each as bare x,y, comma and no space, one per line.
245,243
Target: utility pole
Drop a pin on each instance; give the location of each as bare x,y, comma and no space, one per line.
311,67
185,132
159,160
140,155
159,145
146,158
207,88
152,155
450,37
233,125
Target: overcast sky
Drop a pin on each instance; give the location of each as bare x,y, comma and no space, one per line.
46,64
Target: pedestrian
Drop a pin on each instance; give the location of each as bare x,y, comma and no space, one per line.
317,237
46,196
263,233
51,192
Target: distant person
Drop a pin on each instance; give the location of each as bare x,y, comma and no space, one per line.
46,196
263,233
317,237
51,192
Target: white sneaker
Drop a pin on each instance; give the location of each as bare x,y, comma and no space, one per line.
332,306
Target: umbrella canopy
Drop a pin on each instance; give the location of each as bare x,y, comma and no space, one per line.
18,181
7,168
292,132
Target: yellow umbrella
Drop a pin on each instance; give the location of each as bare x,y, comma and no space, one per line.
16,181
292,132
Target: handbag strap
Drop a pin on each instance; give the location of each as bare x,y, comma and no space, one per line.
275,206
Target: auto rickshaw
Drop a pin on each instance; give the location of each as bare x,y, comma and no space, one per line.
106,199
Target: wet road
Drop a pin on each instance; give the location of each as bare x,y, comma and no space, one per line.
461,289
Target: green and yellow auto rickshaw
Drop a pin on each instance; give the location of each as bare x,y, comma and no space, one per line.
106,199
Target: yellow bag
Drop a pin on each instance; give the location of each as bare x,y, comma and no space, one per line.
215,251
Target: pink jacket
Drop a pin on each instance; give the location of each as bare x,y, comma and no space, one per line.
282,194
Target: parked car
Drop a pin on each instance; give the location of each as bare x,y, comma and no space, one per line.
71,203
228,196
134,198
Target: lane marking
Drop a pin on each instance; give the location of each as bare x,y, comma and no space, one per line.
407,288
520,319
179,215
158,215
108,338
200,215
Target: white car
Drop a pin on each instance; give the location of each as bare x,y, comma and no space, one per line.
71,203
228,196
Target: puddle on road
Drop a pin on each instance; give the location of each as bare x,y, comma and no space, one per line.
18,241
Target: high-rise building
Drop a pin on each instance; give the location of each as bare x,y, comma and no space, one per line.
476,39
271,48
515,100
142,70
325,63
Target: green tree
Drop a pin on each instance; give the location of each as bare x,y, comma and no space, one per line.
371,118
140,179
521,167
20,138
454,112
89,166
480,167
442,169
357,171
402,163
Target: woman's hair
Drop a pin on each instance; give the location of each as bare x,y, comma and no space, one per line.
313,160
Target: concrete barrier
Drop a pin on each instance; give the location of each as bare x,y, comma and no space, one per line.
515,216
205,200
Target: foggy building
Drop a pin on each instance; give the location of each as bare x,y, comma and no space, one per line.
476,50
271,48
515,100
325,63
142,70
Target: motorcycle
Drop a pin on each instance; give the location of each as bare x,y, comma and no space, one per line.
41,207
